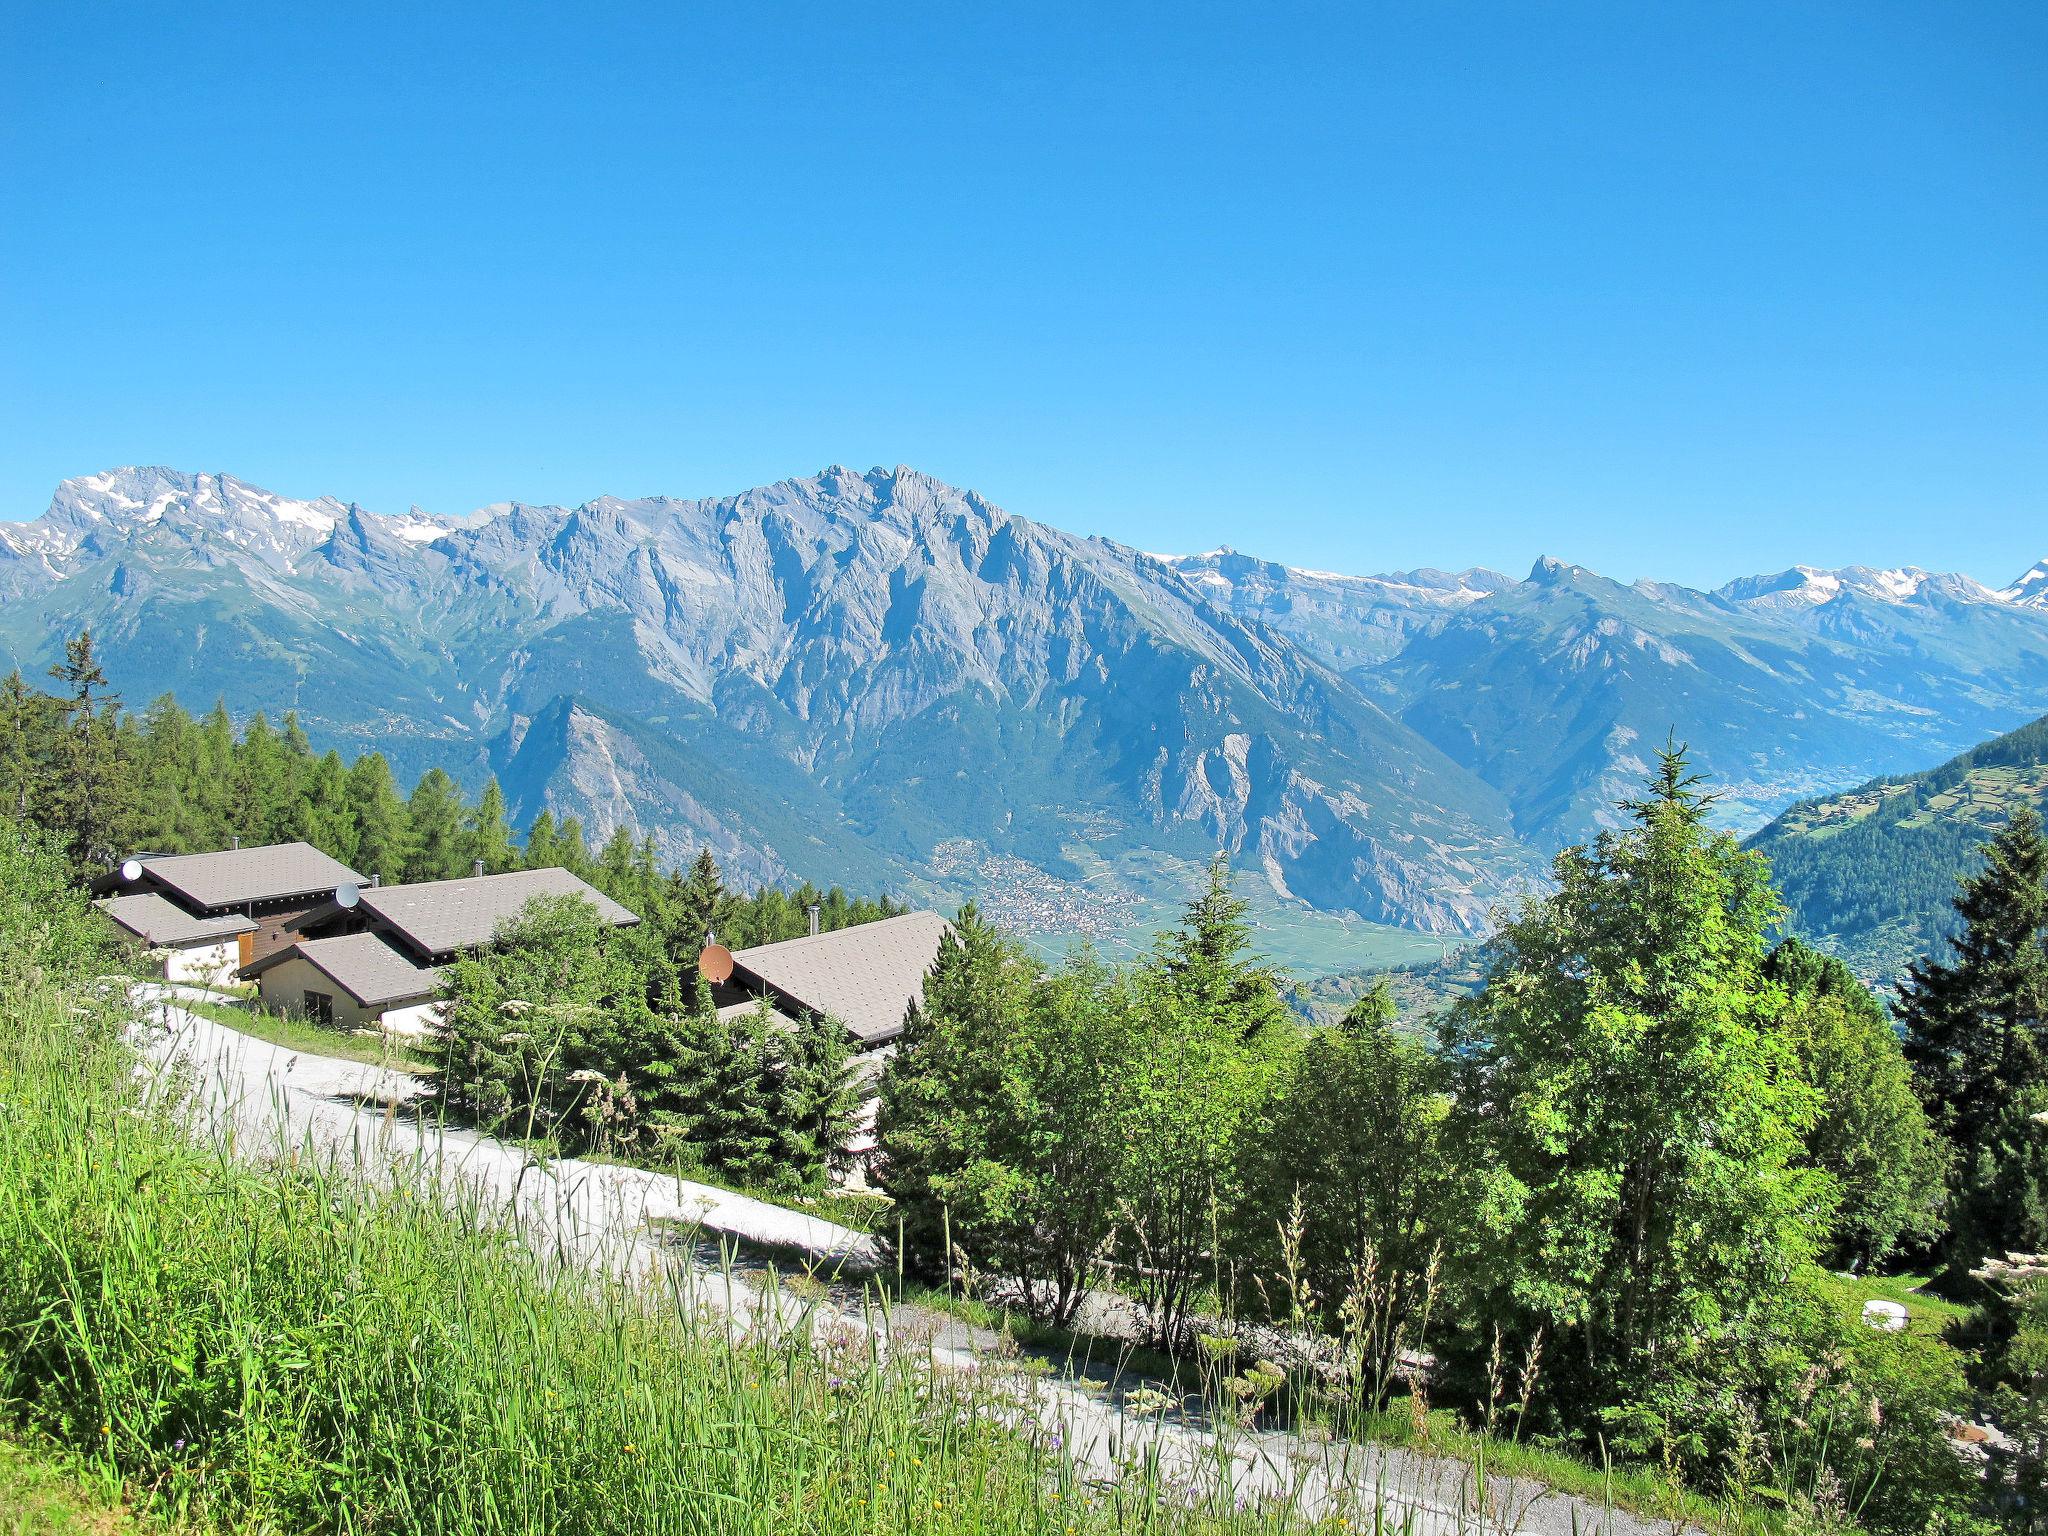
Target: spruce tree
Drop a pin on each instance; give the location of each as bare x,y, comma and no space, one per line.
1636,1111
939,1093
700,909
737,1130
1974,1028
819,1099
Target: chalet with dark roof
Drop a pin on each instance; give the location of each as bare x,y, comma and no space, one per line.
866,976
210,913
376,960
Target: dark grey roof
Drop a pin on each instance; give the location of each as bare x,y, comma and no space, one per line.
368,967
234,876
440,916
866,976
156,920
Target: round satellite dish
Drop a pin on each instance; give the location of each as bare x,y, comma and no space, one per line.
131,869
715,961
347,894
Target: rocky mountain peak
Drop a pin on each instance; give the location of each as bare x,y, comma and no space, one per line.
2031,590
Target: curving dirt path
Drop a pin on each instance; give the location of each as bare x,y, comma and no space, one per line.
263,1101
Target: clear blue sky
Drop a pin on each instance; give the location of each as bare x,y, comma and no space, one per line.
1669,289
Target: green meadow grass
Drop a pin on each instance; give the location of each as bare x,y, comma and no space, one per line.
276,1348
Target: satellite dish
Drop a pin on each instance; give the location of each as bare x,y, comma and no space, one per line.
715,963
131,869
347,894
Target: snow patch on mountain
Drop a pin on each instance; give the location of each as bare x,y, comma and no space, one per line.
2030,591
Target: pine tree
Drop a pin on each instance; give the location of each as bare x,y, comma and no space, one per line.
1974,1030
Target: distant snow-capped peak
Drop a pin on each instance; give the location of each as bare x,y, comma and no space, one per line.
225,515
2030,591
1806,586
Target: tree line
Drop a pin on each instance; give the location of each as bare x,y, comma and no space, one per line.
1616,1189
590,1037
110,782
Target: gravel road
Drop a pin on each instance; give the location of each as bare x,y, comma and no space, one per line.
263,1100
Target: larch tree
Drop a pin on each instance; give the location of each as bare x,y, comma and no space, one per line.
434,818
91,792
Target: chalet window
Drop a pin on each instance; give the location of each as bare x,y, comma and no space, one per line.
320,1007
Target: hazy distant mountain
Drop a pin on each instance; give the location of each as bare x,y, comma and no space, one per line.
1869,873
1557,688
836,675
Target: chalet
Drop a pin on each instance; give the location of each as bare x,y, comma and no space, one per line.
866,976
211,913
372,956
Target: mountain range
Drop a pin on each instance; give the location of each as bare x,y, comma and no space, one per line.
885,680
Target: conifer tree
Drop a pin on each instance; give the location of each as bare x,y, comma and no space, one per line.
382,821
539,851
819,1100
91,790
27,739
701,908
737,1131
262,784
1638,1115
328,817
487,835
434,820
940,1092
1974,1028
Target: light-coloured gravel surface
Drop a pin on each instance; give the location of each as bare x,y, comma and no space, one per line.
265,1101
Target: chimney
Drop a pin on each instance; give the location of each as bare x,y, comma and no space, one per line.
479,867
375,881
814,919
238,843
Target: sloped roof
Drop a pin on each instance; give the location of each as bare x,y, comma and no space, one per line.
156,920
367,966
232,876
440,916
866,976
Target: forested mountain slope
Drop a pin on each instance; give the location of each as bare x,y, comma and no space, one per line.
1870,873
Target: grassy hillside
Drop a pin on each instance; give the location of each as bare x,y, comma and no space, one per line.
1869,873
